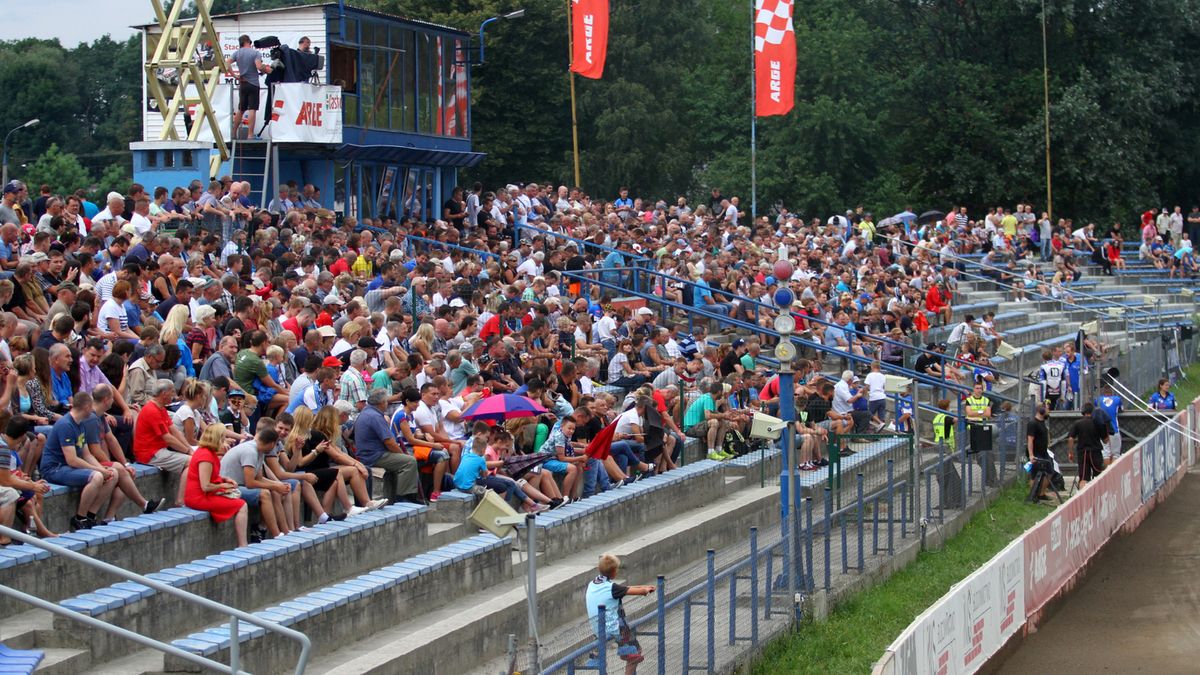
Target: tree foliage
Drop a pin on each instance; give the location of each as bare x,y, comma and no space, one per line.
899,102
60,170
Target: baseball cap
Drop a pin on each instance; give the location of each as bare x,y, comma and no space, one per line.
367,342
38,257
237,392
326,331
68,286
331,299
12,186
738,343
332,362
645,311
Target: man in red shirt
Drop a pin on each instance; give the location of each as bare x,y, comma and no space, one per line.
496,324
299,324
155,440
342,265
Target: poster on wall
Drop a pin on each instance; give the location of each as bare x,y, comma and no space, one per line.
1058,546
969,624
305,113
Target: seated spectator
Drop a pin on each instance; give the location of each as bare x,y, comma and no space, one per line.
243,464
66,461
18,492
377,447
155,440
707,420
207,490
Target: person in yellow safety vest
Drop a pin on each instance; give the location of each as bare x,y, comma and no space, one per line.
977,406
943,425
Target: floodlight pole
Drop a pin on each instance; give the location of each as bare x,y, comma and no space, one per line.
30,123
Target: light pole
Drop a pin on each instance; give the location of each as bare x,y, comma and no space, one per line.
30,123
515,14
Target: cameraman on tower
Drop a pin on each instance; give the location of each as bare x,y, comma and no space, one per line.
249,65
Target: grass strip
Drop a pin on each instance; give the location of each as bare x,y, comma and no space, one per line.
859,630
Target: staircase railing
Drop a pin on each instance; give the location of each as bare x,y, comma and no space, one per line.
235,615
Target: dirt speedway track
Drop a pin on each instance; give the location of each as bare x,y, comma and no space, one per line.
1138,610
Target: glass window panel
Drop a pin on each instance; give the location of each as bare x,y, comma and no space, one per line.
408,72
424,91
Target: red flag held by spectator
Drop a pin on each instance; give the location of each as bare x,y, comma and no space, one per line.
589,37
774,57
602,443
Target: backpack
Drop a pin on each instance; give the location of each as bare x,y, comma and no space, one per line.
734,443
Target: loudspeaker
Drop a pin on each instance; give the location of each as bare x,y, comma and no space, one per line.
491,507
980,436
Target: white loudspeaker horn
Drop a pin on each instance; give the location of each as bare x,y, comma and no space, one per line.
1007,351
490,509
1091,327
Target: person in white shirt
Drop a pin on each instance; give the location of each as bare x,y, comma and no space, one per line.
843,400
876,393
962,330
532,266
112,212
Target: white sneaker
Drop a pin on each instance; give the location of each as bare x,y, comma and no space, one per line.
355,510
375,504
323,518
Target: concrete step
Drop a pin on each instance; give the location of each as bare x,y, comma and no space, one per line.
253,576
483,620
63,661
141,544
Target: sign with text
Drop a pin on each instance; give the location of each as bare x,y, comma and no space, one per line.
305,113
969,624
1059,546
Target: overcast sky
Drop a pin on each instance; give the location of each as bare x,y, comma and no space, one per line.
73,21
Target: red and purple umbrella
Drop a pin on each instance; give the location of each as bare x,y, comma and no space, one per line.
501,407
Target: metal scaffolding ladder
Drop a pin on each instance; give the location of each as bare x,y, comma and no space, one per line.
257,161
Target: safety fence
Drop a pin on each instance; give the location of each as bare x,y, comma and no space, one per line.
707,616
970,624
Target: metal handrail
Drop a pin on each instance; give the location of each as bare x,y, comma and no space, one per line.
702,313
649,262
822,322
410,238
235,615
981,265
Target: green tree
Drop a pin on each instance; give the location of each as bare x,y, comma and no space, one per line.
60,170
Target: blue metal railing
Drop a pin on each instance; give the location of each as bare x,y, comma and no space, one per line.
410,242
702,313
857,334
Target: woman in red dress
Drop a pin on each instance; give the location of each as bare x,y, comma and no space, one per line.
208,491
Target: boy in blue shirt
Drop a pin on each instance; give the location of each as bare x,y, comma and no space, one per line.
604,592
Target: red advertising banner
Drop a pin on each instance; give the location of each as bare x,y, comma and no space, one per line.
1063,543
589,37
774,58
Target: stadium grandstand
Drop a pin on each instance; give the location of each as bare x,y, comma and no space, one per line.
270,418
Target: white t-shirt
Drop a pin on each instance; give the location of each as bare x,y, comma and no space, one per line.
424,415
875,382
529,268
605,327
841,398
185,413
626,420
141,224
113,310
456,430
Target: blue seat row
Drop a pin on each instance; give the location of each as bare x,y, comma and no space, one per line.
604,500
139,470
118,595
862,455
318,602
11,556
753,458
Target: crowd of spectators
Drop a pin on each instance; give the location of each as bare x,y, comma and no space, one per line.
284,358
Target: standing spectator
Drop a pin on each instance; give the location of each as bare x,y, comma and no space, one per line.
602,592
1086,439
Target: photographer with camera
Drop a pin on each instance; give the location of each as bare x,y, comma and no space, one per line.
249,64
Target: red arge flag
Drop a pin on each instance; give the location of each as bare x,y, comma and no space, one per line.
589,37
774,57
601,445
